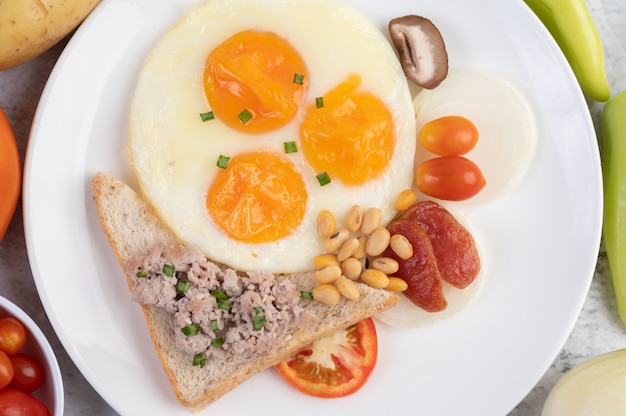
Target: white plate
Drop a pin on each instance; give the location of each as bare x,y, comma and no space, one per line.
540,241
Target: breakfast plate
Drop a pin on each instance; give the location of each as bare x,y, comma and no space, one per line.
539,240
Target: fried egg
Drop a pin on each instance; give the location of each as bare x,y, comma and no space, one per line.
251,116
506,127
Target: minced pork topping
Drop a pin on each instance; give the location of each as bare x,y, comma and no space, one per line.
215,310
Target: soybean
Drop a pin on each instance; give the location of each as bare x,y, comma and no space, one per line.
336,240
377,242
371,220
324,260
405,199
328,274
386,265
326,224
352,268
375,278
347,288
327,294
354,218
348,248
401,246
396,284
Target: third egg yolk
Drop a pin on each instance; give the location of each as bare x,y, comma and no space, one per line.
258,198
351,136
255,81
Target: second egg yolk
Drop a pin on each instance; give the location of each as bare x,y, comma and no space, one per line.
259,197
351,136
255,81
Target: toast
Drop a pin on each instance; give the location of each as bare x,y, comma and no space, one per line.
132,227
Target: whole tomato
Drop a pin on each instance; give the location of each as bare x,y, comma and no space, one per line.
17,403
28,373
449,135
13,335
451,178
6,370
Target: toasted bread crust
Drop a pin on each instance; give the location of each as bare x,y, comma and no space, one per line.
132,227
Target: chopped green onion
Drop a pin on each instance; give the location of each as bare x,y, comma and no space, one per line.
319,102
290,147
209,115
298,79
306,295
190,330
217,342
142,273
168,270
258,310
218,294
199,360
214,325
245,116
223,304
258,320
183,286
323,178
222,161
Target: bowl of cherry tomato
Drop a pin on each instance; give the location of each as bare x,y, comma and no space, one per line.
30,377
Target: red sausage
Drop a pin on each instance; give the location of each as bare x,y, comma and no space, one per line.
453,245
425,288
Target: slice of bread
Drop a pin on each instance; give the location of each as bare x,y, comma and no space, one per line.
132,228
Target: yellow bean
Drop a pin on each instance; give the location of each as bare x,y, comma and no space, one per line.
360,252
327,274
347,288
405,199
352,268
327,294
336,240
377,242
354,218
326,224
371,220
386,265
374,278
396,284
401,246
327,259
348,248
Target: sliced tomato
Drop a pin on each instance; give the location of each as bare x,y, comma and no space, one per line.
336,365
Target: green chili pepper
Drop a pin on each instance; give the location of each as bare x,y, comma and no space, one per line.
574,31
614,176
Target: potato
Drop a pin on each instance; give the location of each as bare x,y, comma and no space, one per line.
30,27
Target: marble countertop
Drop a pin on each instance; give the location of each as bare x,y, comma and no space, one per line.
597,330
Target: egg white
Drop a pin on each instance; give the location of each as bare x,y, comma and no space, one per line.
173,153
502,115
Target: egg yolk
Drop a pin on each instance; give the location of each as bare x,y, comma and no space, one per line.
259,197
255,81
348,134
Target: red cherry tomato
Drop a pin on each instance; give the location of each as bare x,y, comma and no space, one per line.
449,136
334,366
17,403
28,373
13,335
6,370
452,178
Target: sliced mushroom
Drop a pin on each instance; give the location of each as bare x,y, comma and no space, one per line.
422,50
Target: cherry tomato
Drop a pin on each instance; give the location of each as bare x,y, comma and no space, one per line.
10,174
13,335
449,136
334,366
452,178
17,403
6,370
28,373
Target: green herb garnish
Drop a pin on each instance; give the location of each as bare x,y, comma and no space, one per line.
222,161
218,294
258,320
298,79
223,304
245,116
168,270
290,147
323,178
319,102
209,115
306,295
142,273
214,325
183,286
190,330
217,342
199,360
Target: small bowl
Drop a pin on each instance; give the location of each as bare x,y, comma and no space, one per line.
51,392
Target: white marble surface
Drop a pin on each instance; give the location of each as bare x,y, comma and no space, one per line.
597,330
